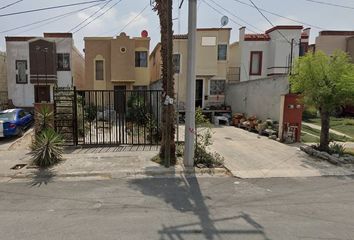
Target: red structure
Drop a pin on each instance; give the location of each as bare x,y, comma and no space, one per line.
290,118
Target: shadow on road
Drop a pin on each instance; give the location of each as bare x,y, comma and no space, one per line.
42,176
184,195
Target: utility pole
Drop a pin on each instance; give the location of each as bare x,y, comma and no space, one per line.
190,105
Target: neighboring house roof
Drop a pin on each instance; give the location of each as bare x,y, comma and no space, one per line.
18,38
257,37
284,27
45,35
336,33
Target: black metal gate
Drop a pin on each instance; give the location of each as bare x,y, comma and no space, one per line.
108,117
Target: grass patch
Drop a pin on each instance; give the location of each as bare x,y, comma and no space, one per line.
307,138
343,125
158,160
332,136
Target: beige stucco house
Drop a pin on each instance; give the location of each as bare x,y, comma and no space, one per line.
116,63
212,60
3,78
329,41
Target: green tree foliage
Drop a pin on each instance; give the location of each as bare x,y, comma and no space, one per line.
324,82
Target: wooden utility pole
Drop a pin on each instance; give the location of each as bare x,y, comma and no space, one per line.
168,146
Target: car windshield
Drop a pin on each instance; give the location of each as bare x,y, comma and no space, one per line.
7,116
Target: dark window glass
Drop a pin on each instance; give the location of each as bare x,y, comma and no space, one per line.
176,62
21,67
99,70
222,52
63,61
141,59
217,87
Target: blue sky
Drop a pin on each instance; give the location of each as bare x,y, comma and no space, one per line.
327,17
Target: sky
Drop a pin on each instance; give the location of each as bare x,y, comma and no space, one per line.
125,16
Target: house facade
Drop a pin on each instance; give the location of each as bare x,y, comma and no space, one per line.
212,60
35,65
116,63
3,78
263,55
330,41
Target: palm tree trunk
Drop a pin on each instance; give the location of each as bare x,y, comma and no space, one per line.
168,147
324,138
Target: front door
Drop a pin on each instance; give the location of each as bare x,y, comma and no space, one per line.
41,93
119,98
199,93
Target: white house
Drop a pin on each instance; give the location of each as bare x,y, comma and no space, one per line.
36,64
268,54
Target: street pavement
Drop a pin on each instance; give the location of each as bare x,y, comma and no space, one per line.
248,155
178,208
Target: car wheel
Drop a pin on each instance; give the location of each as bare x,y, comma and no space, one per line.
20,132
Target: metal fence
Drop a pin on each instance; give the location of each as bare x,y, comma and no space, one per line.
109,117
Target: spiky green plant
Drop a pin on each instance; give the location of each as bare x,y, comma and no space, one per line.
44,119
47,149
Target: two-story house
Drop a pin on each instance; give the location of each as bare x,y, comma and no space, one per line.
212,56
116,63
329,41
35,65
263,55
3,78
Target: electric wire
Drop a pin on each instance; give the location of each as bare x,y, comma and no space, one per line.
10,4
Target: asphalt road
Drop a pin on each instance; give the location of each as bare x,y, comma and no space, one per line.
179,208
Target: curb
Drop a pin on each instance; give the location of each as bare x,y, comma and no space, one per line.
114,175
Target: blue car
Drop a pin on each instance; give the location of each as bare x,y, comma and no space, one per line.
13,122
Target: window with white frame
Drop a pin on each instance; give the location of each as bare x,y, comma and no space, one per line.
176,59
222,52
21,68
217,87
256,63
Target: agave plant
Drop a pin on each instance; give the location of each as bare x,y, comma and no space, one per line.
44,119
47,149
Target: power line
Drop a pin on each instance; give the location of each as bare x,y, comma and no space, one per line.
278,15
58,17
232,14
98,16
216,10
49,8
10,4
136,17
269,21
331,4
78,25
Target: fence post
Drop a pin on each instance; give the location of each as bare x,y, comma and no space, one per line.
75,132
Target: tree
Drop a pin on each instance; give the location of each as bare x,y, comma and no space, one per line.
168,146
325,82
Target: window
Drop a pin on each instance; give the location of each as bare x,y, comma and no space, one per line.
63,62
21,67
222,52
99,68
141,59
256,63
217,87
176,59
21,114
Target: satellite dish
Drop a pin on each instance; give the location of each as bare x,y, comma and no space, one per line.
224,21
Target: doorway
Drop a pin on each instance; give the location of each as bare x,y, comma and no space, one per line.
41,93
120,98
199,93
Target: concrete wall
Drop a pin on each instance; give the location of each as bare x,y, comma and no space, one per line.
329,44
78,71
259,97
3,78
64,45
22,95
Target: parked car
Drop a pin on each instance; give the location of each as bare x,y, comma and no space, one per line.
344,111
13,122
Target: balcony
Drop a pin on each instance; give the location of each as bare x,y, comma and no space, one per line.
233,75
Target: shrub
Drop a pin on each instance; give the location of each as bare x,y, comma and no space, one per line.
336,148
47,148
44,119
309,113
90,112
136,111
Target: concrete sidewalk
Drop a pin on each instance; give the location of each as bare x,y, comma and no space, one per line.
248,155
106,163
314,126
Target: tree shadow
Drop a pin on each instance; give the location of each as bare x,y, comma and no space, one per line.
184,195
42,176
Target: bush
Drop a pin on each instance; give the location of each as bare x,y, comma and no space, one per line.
336,148
309,113
44,119
136,111
47,148
90,112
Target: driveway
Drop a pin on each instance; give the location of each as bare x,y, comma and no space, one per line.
248,155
